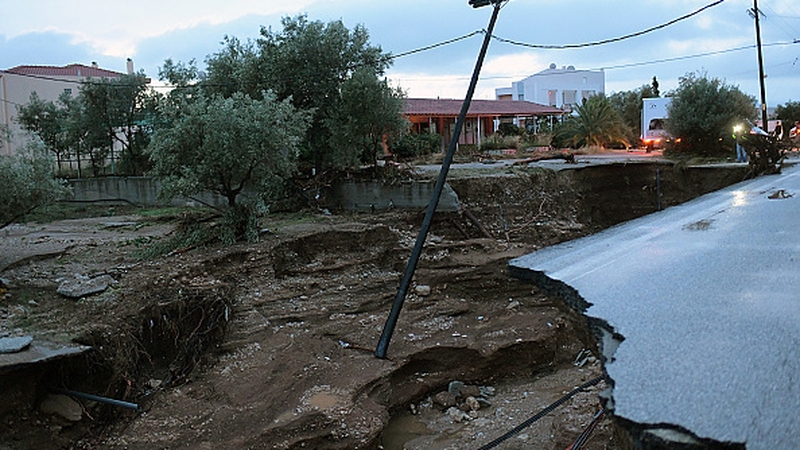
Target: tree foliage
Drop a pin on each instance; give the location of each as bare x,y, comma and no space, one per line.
367,117
319,67
703,112
788,113
27,182
47,121
594,123
115,112
628,105
227,145
106,113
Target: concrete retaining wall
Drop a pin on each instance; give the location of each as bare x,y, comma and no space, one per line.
346,195
142,191
371,195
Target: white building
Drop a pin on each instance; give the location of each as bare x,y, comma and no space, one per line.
558,87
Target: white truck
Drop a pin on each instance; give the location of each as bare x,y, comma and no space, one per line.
654,114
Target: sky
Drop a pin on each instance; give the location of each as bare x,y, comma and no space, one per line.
718,42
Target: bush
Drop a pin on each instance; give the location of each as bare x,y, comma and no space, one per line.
509,129
499,141
414,145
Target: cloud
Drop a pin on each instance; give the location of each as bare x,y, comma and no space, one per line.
115,28
42,48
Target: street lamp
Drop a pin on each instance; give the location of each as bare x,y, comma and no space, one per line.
397,305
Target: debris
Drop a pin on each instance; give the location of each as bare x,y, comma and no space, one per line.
82,286
780,193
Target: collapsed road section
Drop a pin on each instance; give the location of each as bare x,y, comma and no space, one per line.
705,297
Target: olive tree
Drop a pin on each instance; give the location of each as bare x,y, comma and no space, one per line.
319,67
703,112
27,182
228,145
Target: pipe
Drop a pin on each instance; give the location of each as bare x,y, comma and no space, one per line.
394,314
97,398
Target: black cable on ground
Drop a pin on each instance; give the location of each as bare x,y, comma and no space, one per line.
542,413
584,436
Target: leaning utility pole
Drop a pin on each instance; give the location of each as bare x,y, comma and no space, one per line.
394,314
761,76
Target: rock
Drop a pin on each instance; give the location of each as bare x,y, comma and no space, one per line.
14,344
82,286
513,304
444,399
423,290
472,403
455,387
470,391
457,415
487,391
63,406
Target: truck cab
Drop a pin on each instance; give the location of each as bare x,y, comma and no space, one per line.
654,114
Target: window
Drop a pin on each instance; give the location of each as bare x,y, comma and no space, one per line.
68,91
569,97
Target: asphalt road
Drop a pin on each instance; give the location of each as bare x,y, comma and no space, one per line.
707,297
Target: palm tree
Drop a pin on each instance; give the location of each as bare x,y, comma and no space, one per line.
595,123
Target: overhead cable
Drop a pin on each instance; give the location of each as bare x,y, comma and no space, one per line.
611,40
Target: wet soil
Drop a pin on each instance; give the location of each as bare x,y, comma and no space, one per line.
270,345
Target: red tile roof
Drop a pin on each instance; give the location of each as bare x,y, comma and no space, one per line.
448,107
72,70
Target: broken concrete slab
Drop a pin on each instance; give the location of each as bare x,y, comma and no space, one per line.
14,344
37,352
79,286
705,296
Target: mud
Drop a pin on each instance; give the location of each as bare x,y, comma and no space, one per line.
269,345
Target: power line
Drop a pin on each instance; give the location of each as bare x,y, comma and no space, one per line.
638,64
433,46
698,55
611,40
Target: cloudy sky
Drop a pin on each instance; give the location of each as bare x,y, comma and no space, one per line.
718,42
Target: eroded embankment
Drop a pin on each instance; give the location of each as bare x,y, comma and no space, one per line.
630,434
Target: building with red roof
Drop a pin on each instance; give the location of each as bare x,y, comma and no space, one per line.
483,117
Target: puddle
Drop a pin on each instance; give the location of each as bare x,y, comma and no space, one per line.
323,400
401,430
